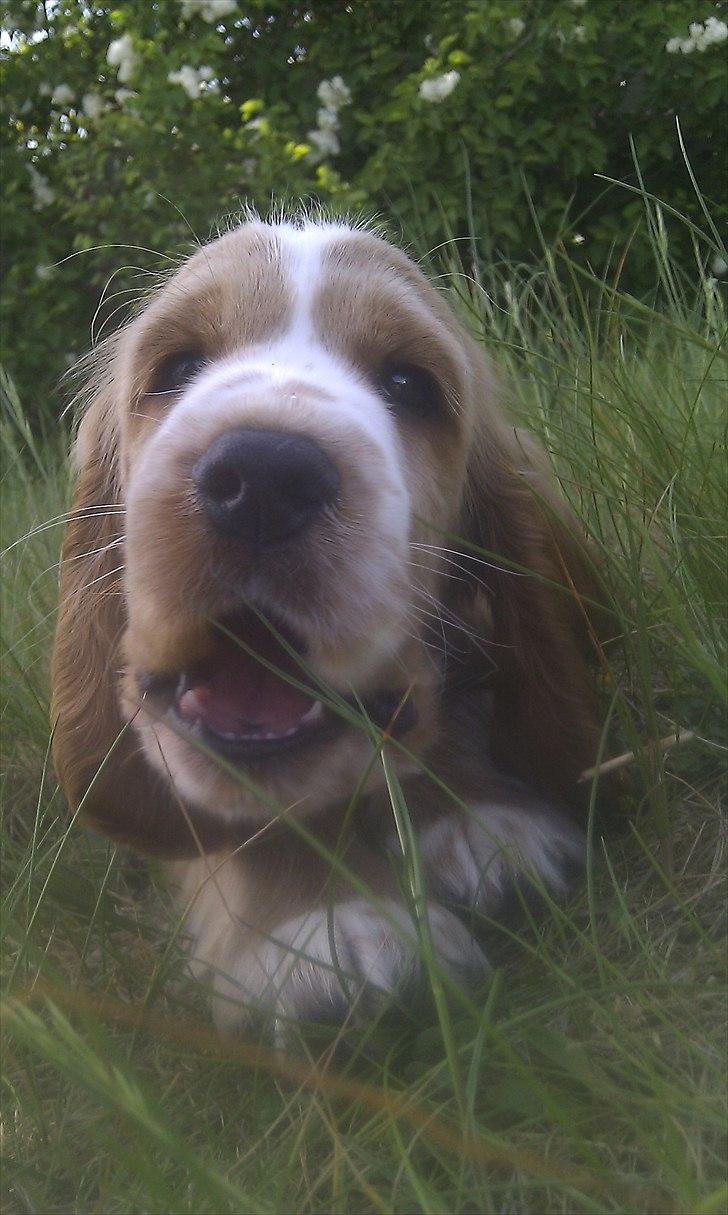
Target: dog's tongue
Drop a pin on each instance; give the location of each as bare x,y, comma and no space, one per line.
236,695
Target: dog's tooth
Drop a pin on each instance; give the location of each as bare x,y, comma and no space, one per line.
311,715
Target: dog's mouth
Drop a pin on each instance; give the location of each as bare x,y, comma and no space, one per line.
252,697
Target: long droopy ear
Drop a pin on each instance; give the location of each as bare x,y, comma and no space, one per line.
544,726
97,756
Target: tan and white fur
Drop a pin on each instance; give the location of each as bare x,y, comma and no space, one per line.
442,578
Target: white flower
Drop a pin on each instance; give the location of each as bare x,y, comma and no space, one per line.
325,142
719,266
189,79
333,94
516,26
42,189
122,95
62,94
45,90
715,30
579,33
209,10
119,49
701,37
44,272
207,75
578,239
438,87
93,105
123,57
327,120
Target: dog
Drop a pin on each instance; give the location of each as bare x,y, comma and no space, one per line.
311,571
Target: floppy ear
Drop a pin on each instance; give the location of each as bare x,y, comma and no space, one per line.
97,756
544,727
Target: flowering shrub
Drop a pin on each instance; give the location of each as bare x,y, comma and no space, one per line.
141,124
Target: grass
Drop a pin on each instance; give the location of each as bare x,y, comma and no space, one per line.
589,1075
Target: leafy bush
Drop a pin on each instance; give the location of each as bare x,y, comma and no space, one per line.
137,126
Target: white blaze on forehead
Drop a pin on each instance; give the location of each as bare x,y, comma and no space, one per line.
303,250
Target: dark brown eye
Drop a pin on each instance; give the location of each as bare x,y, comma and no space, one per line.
175,372
409,389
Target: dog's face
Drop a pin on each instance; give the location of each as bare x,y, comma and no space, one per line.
298,406
280,446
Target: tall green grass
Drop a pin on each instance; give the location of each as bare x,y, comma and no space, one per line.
588,1076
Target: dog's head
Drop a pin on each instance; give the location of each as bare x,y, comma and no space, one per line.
280,451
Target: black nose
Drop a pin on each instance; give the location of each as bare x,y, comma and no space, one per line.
263,486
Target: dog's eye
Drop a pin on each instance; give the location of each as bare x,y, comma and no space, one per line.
409,389
176,371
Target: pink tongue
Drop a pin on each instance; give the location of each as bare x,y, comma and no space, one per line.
238,695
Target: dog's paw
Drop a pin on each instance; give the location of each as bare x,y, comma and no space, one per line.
340,962
494,856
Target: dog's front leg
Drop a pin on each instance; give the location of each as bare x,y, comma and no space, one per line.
283,929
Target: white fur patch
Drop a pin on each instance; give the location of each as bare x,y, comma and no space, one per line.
318,966
470,857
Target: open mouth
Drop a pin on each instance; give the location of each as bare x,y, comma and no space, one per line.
251,697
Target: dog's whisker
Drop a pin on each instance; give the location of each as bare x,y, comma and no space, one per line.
117,542
86,586
476,642
429,569
466,575
469,557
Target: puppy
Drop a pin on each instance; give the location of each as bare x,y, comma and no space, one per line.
312,570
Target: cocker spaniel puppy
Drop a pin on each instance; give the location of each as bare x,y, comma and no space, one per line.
312,570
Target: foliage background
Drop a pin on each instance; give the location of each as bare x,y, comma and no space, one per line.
550,93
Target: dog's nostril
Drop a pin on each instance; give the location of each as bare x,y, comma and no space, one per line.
264,486
223,483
